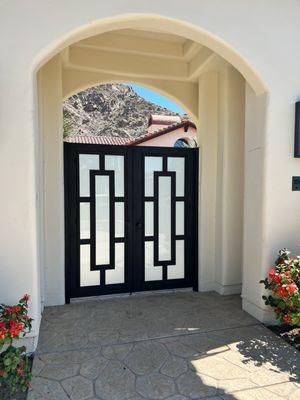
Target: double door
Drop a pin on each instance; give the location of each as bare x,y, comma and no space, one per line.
130,219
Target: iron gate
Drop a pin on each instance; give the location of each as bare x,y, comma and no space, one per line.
130,219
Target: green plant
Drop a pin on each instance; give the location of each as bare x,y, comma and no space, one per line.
67,125
284,284
14,363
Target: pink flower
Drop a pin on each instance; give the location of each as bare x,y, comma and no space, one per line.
272,274
281,291
287,319
15,328
277,278
292,288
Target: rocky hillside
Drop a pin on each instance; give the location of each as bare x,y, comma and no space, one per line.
109,110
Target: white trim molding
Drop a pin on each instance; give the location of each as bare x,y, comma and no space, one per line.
266,316
228,289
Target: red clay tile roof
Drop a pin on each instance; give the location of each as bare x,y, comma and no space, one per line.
97,139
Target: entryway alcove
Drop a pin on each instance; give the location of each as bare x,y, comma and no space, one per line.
226,99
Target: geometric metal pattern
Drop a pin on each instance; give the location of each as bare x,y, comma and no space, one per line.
164,241
130,218
95,200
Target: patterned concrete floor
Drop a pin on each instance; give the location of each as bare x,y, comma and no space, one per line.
174,346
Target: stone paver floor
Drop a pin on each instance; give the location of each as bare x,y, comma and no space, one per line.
174,346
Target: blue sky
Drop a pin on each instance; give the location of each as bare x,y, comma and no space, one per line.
157,98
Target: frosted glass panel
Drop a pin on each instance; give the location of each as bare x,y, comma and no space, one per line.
84,220
116,275
151,164
152,273
87,277
119,219
177,271
179,218
177,164
164,218
86,163
116,163
149,215
102,219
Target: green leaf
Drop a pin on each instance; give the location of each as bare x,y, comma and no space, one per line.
7,361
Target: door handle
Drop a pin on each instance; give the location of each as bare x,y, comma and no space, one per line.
139,225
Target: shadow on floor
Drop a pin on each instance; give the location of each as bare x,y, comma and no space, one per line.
174,346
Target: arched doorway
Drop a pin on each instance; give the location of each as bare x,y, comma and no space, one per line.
211,81
131,226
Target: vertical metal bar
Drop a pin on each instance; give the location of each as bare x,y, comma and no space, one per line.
92,220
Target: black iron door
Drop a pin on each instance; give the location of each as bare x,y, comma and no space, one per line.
130,219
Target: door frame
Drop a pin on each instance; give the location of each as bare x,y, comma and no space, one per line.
71,176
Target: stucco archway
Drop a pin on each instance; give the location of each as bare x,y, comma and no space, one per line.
216,98
168,25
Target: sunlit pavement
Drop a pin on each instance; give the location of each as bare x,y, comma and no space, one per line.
174,346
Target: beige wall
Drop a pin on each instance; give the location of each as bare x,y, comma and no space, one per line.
255,266
208,140
169,139
260,41
230,181
52,203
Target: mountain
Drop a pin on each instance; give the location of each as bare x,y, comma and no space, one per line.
110,110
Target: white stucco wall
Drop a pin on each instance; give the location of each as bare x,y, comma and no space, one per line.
259,37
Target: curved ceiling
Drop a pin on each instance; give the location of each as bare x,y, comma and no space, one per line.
139,53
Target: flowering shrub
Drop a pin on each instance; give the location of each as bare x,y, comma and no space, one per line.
284,283
14,364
